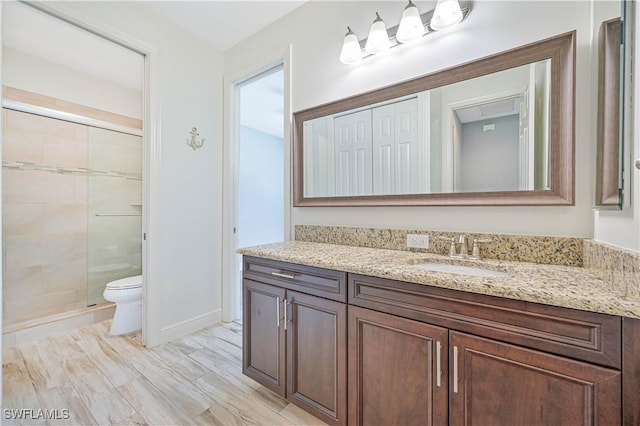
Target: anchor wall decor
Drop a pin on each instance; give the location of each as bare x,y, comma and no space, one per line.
192,141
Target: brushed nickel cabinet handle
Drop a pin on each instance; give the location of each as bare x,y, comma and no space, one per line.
455,369
438,364
278,312
281,275
285,314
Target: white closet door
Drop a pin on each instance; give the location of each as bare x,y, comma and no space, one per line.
396,148
353,154
318,158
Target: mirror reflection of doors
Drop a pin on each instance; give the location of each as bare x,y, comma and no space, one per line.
486,134
371,151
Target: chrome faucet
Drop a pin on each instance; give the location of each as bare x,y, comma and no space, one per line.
453,252
464,250
463,253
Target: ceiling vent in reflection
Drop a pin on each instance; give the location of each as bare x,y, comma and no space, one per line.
491,109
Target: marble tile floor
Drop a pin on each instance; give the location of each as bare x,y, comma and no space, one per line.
85,377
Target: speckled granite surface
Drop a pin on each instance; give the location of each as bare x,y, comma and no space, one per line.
520,248
565,286
617,267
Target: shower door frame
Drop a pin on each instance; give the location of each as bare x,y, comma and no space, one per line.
151,167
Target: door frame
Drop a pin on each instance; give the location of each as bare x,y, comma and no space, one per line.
231,143
152,164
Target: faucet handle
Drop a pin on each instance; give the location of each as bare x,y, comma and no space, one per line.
452,245
475,252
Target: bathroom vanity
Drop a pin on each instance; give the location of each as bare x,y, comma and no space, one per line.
366,336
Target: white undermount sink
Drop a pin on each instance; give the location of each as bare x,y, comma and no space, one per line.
460,270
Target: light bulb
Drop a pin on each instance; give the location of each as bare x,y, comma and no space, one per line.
378,40
351,51
411,26
446,14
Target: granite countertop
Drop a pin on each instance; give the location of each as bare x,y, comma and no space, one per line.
565,286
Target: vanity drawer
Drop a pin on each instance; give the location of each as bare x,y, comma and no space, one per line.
581,335
321,282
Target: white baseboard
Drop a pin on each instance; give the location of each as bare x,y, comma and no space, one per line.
189,326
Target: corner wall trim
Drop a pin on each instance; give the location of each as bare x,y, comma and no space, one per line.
189,326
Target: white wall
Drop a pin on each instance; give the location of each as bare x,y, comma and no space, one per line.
315,32
185,241
34,74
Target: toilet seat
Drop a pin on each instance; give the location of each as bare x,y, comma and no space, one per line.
125,283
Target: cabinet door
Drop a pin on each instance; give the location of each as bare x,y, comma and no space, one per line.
263,356
495,383
397,370
317,356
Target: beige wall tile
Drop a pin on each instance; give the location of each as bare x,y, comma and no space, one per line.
23,250
64,219
115,151
64,248
22,218
22,146
67,153
35,186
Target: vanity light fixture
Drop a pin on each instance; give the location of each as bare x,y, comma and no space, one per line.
351,51
378,40
413,25
446,14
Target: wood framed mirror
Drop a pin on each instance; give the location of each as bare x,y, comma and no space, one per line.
438,110
609,151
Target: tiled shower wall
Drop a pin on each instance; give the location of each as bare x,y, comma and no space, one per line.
46,175
44,216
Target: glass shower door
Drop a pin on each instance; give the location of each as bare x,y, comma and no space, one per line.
114,198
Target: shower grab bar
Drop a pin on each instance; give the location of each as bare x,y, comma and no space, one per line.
118,214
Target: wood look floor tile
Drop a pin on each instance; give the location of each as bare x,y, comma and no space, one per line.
238,403
19,392
300,417
151,404
186,344
109,380
109,362
180,362
105,403
66,398
45,371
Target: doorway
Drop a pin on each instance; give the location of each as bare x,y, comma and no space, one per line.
72,156
260,195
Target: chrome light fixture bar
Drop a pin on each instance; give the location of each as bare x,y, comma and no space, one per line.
413,26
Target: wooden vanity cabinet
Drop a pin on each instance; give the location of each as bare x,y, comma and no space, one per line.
397,370
548,377
295,342
500,384
422,355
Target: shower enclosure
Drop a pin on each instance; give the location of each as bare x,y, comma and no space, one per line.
72,214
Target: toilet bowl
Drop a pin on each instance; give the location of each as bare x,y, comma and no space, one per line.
126,293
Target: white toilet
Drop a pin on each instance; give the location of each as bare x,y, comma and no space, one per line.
126,293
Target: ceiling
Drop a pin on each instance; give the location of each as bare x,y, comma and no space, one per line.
222,24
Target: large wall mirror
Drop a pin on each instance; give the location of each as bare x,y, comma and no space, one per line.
615,50
496,131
